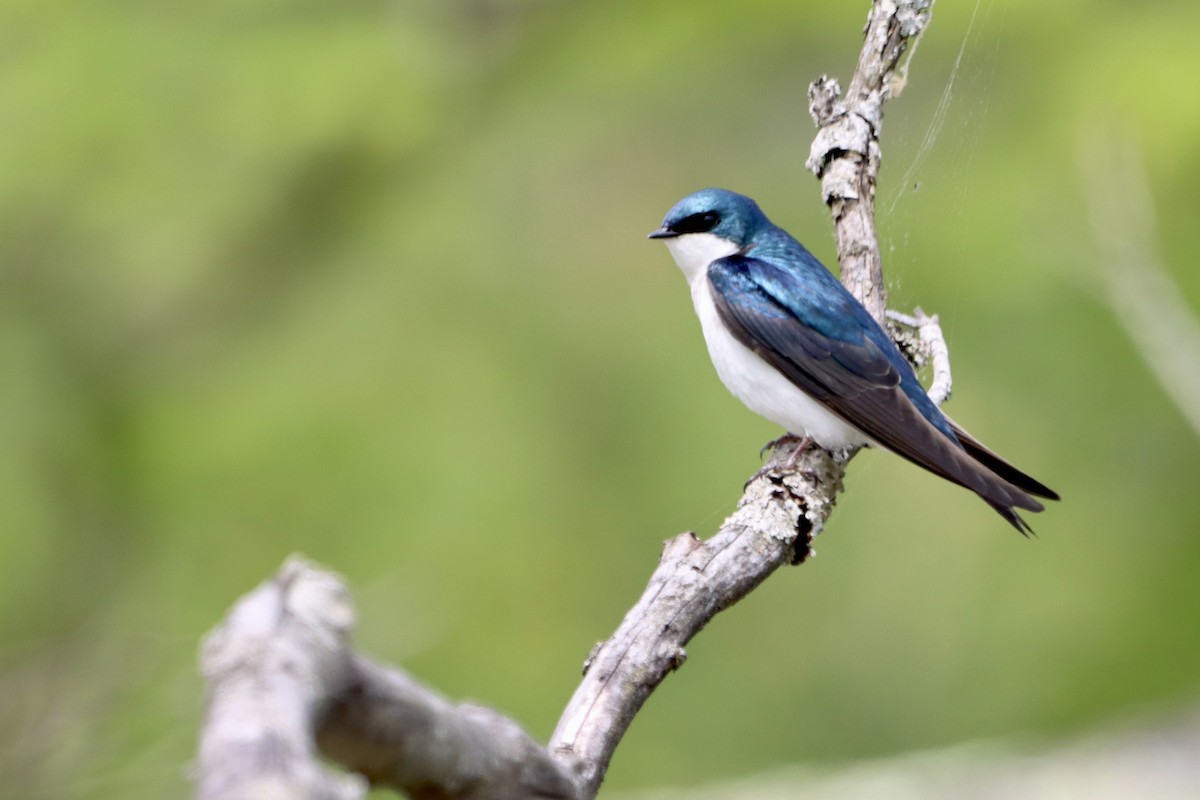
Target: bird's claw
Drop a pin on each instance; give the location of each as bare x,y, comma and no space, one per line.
774,444
792,464
805,443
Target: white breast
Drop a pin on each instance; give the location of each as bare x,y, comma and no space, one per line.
760,386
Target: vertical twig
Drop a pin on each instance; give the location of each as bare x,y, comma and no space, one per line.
845,154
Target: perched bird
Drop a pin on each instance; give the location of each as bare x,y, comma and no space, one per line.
796,347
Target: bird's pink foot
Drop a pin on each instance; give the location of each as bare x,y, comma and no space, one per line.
787,438
805,443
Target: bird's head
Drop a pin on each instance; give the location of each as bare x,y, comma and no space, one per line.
707,225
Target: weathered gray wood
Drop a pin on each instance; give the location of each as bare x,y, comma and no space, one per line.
282,679
781,509
845,154
780,513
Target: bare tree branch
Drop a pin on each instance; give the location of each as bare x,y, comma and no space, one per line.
269,669
845,153
781,510
282,679
774,525
929,347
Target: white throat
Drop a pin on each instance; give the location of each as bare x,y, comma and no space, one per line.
693,252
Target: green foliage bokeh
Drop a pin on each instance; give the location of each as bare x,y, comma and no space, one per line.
368,281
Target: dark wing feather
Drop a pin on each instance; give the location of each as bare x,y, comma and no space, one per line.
999,466
857,380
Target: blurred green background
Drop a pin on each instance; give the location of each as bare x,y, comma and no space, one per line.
370,281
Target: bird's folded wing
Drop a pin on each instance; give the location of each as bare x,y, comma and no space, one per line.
850,374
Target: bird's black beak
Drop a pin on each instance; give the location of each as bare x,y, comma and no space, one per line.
663,233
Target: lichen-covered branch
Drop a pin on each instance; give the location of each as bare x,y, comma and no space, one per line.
284,687
928,346
776,520
782,509
845,154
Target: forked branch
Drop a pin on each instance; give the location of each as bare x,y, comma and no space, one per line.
283,683
781,510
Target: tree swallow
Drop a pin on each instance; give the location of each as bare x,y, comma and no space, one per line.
796,347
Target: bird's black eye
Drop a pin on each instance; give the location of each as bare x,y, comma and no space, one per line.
703,222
